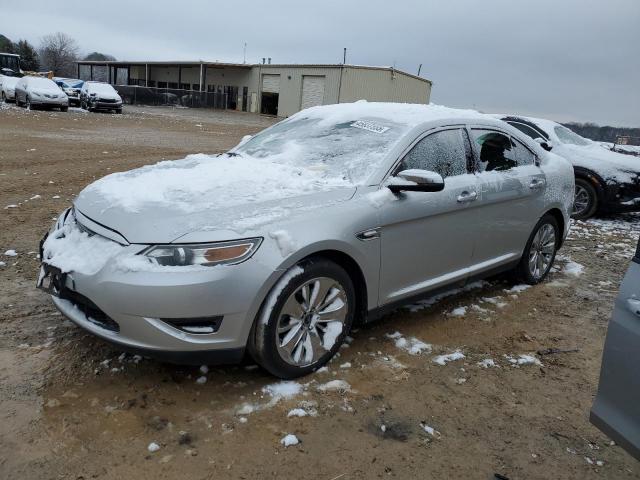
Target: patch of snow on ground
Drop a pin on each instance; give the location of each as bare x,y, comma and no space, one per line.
458,312
517,288
411,345
449,357
283,389
334,386
523,359
487,363
297,412
11,253
289,440
153,447
430,430
572,268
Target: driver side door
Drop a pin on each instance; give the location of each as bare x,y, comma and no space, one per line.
427,238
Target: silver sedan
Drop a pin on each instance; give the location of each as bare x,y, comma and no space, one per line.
330,217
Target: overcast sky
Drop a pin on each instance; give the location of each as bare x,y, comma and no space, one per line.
561,59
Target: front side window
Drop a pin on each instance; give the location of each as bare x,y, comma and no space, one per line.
443,152
499,152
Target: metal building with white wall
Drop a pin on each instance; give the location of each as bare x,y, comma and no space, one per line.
274,89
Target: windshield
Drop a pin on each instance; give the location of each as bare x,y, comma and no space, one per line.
36,82
567,136
350,150
101,88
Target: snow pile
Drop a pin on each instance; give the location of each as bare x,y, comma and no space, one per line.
380,197
71,249
334,386
572,268
153,447
517,288
297,412
11,253
449,357
289,440
458,312
283,390
411,345
487,363
523,359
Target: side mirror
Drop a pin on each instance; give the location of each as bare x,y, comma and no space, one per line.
546,144
415,180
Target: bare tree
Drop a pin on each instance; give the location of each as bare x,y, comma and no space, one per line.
58,53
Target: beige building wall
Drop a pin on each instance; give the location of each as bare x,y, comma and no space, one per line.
383,85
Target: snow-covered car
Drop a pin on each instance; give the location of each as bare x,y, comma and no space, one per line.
331,216
72,87
7,88
606,181
100,96
35,92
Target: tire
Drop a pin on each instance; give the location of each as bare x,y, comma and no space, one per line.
4,98
540,249
64,109
289,347
585,200
118,111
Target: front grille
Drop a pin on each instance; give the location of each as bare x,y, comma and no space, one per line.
107,100
90,310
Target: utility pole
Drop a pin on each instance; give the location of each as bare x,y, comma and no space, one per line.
244,53
344,56
419,68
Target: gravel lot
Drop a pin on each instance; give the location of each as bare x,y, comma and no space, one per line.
72,407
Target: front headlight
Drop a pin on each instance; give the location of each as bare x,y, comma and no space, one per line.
208,254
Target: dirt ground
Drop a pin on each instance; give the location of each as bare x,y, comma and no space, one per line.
72,407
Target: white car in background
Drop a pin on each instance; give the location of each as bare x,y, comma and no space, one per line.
100,96
7,88
40,92
606,181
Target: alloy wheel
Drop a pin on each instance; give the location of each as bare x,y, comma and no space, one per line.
310,321
580,201
542,249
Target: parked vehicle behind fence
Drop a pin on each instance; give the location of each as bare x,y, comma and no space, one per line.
40,92
606,181
100,96
335,215
616,409
7,88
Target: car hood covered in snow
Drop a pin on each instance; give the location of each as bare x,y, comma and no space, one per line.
611,166
221,197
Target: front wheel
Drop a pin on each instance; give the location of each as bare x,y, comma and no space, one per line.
4,98
304,319
28,103
64,109
585,201
540,251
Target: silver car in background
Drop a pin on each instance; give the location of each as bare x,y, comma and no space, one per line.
616,409
334,215
7,88
40,92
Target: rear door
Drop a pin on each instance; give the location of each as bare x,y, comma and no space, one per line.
512,187
427,237
616,409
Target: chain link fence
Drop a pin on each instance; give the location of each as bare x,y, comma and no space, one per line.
153,96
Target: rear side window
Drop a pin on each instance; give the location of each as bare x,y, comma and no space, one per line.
499,152
444,152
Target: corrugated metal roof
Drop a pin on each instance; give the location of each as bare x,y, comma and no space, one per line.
248,65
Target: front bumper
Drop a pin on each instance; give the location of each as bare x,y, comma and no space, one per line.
623,198
97,105
51,102
142,308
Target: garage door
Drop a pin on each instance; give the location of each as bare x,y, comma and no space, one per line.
271,83
312,91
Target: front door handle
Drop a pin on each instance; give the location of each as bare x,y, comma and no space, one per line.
467,196
537,183
634,306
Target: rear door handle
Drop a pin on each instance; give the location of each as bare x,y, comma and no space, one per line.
634,306
537,183
467,196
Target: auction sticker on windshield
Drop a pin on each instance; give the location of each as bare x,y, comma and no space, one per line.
372,127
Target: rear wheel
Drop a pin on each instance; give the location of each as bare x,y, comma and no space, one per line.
540,251
585,201
304,319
